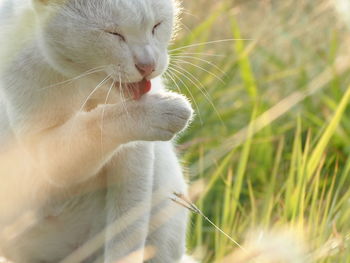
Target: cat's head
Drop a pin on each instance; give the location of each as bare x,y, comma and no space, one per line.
129,36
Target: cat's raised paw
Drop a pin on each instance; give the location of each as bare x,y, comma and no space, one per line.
166,115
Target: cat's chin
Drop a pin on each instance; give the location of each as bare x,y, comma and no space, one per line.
136,89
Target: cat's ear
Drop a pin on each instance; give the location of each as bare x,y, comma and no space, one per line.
43,3
42,7
46,2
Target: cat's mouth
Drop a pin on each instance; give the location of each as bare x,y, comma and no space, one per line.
137,89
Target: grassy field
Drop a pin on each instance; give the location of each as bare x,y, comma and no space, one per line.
270,146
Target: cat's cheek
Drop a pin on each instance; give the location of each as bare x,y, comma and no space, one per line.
165,66
164,61
162,65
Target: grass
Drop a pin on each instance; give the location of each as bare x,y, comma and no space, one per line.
270,146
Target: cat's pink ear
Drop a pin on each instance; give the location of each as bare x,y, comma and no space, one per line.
40,2
41,5
47,2
43,1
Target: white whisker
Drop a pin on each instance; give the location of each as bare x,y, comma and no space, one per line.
86,73
184,26
121,92
172,77
82,107
201,68
208,43
94,90
196,53
198,86
103,113
200,59
187,12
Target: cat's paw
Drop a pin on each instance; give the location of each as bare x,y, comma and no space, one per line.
166,114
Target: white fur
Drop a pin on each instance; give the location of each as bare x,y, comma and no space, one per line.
69,171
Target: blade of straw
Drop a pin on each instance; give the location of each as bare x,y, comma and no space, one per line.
193,208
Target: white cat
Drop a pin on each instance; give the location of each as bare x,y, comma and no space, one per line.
84,143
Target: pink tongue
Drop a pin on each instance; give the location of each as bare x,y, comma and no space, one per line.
140,88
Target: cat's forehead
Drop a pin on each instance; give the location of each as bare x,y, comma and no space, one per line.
126,11
143,10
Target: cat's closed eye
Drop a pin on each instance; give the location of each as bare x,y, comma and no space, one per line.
155,27
123,38
116,34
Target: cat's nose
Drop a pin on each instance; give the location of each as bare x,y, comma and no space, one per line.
145,69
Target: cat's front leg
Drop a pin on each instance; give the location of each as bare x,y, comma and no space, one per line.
78,149
167,228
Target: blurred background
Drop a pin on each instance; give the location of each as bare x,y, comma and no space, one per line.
268,154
